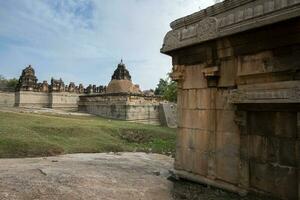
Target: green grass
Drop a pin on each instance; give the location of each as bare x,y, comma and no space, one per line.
30,135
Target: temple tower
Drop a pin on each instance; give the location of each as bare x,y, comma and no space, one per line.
27,80
121,81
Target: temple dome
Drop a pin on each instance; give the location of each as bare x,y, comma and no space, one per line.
121,81
122,86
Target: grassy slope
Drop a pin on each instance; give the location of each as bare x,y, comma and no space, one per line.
27,135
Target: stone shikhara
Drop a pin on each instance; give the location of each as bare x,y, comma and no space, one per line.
238,71
123,100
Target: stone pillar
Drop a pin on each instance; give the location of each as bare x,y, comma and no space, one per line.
241,121
211,74
212,127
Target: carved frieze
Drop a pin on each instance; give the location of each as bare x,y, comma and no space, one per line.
226,18
288,93
201,31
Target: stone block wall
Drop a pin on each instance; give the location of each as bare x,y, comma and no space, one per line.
64,100
122,106
168,114
59,100
7,99
32,99
238,107
208,138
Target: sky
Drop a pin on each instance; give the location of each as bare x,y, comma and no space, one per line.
84,40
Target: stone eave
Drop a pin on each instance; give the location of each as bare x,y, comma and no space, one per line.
208,12
223,20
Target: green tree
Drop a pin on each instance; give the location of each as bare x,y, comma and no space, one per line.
3,81
161,87
12,83
170,93
167,89
8,83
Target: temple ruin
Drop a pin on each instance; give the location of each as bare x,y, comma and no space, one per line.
237,66
123,100
30,93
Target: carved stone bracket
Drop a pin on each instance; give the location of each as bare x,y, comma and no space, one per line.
177,73
212,75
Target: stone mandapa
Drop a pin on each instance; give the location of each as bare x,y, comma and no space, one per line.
238,71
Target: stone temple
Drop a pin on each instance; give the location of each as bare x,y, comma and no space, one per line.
120,99
237,65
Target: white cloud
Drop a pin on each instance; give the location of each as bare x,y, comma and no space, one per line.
86,39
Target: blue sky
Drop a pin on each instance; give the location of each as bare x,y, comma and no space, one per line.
84,40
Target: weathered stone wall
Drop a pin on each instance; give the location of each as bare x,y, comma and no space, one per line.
238,106
31,99
59,100
64,100
208,138
123,107
7,99
168,114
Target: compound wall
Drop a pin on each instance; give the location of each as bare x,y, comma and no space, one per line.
122,106
7,99
62,100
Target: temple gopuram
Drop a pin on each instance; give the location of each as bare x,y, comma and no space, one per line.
237,65
28,80
122,100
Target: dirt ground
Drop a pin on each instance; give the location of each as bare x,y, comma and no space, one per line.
107,176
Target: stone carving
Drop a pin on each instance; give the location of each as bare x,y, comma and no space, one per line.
94,88
207,29
89,89
28,80
57,85
216,22
80,89
202,31
121,82
212,75
121,73
177,73
44,87
71,87
277,95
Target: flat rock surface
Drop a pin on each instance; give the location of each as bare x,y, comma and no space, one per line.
105,176
87,176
